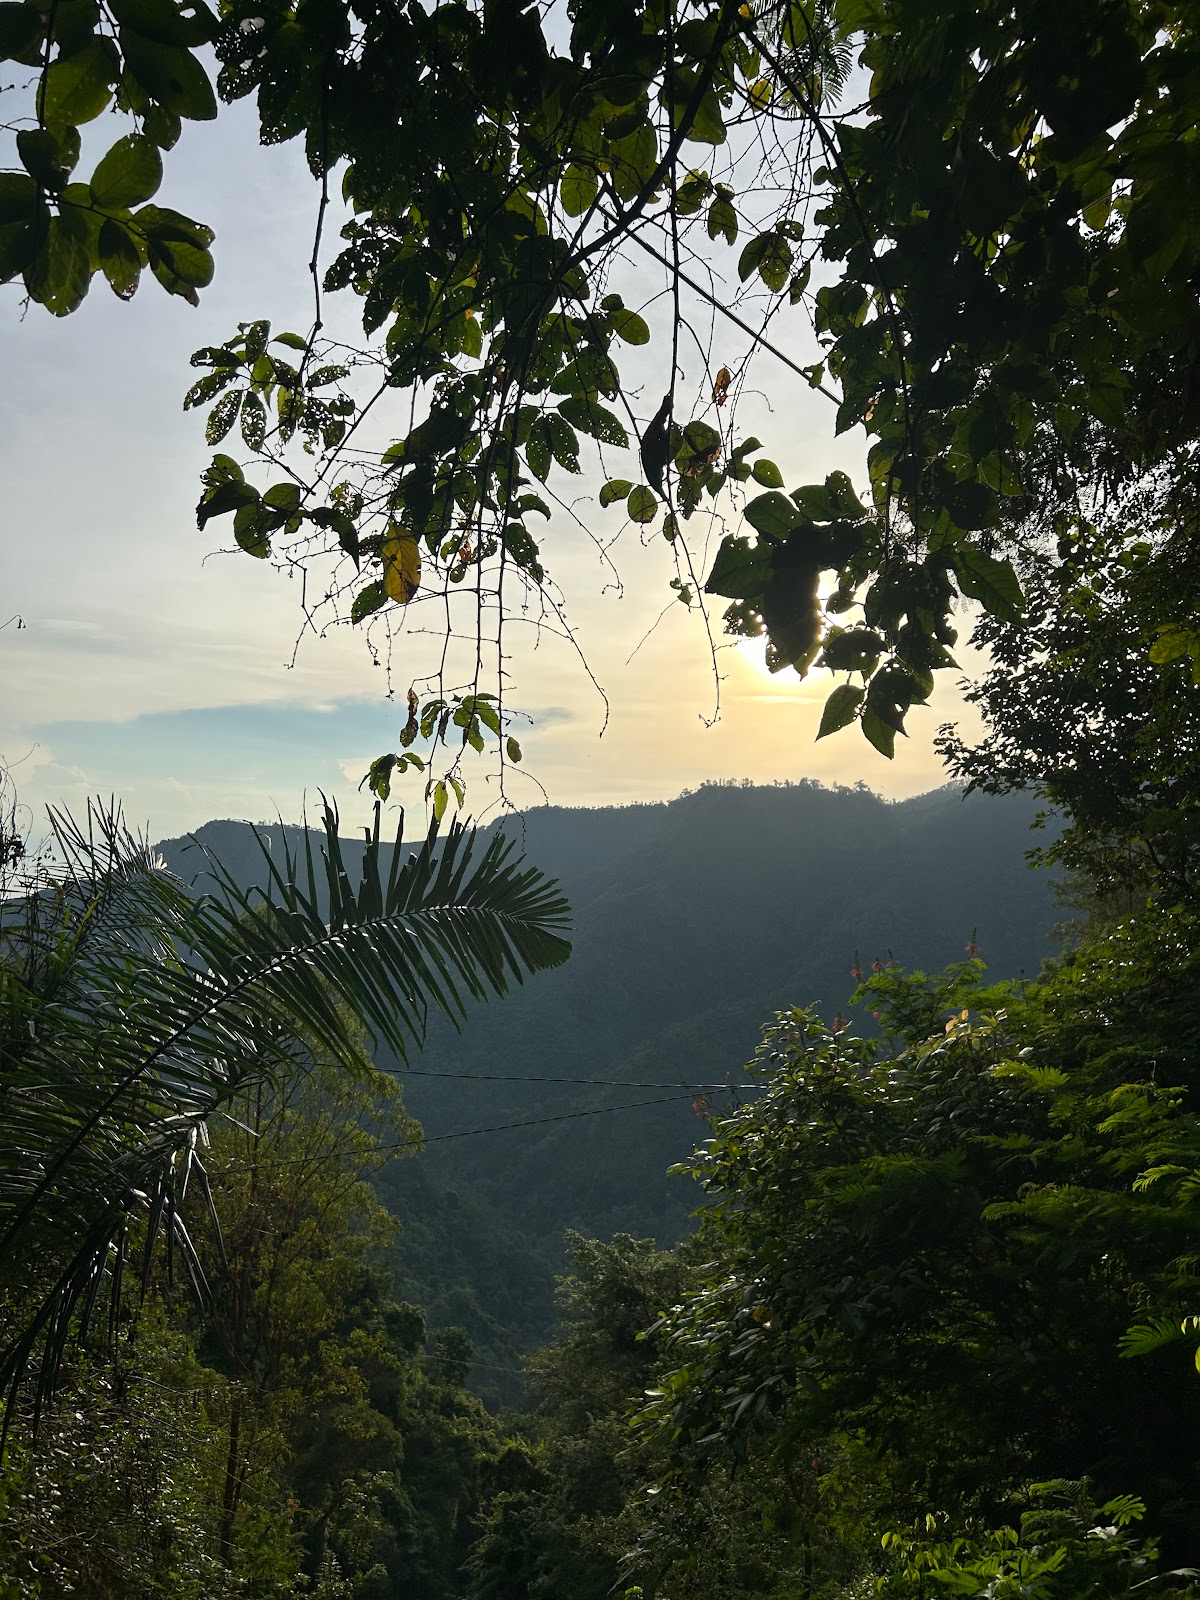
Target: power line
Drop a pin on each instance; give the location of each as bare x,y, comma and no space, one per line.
536,1122
515,1077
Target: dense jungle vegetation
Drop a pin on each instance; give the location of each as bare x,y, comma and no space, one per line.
938,1327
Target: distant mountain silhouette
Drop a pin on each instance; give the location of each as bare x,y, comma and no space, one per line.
694,922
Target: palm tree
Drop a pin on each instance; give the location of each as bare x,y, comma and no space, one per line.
131,1011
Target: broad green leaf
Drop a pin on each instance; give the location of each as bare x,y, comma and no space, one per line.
283,497
128,174
841,708
879,733
767,473
120,259
512,749
627,325
59,275
177,249
163,22
230,494
615,489
741,571
367,601
223,416
162,126
799,283
18,245
708,124
564,445
993,583
171,74
22,33
633,160
594,419
773,514
722,220
537,450
49,157
642,503
693,192
78,87
578,189
254,420
18,197
250,534
776,264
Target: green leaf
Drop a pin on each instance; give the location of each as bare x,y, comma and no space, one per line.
642,503
741,571
693,192
18,246
512,749
770,255
880,734
254,421
171,74
165,22
564,445
1153,1334
250,534
22,33
537,450
370,598
594,419
18,197
120,259
177,249
223,416
767,473
128,174
578,189
772,514
722,219
59,275
50,158
230,494
774,261
627,325
379,776
78,87
162,126
841,708
283,497
708,124
993,583
799,284
615,489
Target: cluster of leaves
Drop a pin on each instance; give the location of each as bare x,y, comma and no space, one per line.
133,1012
1008,320
973,1252
291,1435
56,234
1092,700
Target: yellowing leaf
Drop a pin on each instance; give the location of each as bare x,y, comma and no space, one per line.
760,94
401,567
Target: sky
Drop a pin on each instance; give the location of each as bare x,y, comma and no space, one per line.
137,662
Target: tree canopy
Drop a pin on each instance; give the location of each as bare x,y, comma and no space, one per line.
984,214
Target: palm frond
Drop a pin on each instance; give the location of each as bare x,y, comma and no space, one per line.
133,1010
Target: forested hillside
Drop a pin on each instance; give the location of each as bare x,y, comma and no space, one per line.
693,922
